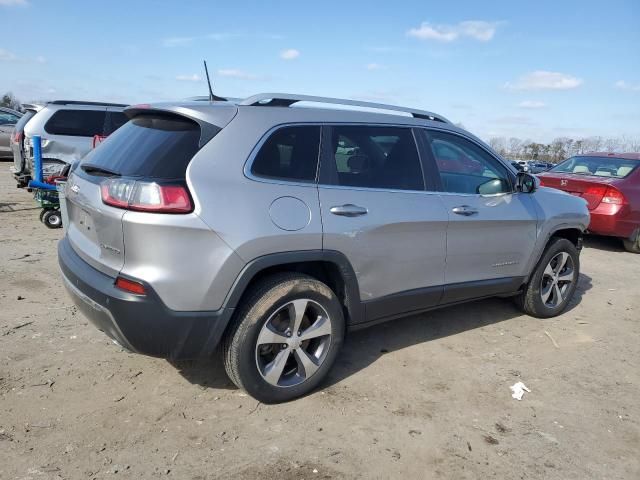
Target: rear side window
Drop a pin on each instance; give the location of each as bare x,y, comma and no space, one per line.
290,153
149,146
7,118
114,121
374,157
76,123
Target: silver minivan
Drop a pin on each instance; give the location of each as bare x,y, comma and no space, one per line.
69,130
268,230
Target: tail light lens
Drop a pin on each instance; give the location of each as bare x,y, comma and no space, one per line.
17,138
146,196
606,193
614,196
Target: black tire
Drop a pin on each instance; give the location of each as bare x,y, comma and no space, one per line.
633,247
52,219
531,299
42,212
265,300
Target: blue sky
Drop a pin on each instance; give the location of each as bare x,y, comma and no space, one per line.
535,70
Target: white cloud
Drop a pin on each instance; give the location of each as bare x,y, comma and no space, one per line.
177,41
289,54
7,56
375,66
189,78
533,104
234,73
12,3
623,85
543,80
475,29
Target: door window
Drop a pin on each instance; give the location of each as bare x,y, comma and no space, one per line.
374,157
466,168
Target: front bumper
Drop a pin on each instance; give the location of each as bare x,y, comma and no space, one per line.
140,323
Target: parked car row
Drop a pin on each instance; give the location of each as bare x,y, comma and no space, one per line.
8,119
531,166
68,130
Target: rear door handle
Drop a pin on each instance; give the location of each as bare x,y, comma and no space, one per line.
349,210
465,210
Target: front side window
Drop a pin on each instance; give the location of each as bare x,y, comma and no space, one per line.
466,168
76,123
375,157
290,153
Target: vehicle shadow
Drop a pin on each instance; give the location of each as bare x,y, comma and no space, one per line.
609,244
364,347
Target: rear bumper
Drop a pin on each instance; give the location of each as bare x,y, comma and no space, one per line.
613,221
142,324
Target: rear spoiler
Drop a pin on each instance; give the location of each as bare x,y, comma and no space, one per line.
210,119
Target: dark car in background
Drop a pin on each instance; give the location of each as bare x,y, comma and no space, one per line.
8,119
610,183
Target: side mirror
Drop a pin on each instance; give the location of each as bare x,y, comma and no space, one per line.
527,183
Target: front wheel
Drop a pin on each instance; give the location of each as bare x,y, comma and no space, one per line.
553,282
285,338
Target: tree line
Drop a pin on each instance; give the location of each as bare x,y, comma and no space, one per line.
561,148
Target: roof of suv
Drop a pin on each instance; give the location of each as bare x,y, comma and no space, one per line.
91,104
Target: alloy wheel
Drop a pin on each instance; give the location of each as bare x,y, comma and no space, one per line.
293,343
556,280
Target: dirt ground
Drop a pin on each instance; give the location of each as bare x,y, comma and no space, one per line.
423,397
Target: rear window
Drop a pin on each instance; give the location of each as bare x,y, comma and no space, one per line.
291,153
28,115
150,146
598,166
76,123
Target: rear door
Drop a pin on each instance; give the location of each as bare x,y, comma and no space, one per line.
492,228
375,210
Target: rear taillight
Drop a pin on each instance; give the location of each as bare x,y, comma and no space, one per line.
606,193
146,196
17,138
614,196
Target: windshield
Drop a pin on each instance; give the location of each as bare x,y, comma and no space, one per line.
597,166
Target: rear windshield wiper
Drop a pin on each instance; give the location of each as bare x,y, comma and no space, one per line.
97,170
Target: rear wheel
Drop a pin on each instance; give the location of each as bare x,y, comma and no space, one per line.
553,282
632,246
285,338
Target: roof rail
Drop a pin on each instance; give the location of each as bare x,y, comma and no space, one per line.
80,102
286,100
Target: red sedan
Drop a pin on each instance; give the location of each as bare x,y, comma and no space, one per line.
610,183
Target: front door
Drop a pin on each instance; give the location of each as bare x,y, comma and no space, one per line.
376,211
492,228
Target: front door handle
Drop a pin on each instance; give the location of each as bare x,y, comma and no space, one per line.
465,210
349,210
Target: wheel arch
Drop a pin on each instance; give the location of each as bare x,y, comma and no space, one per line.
328,266
571,232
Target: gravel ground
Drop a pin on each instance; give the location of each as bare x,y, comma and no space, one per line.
422,397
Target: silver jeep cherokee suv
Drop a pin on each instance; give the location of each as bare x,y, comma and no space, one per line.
271,230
